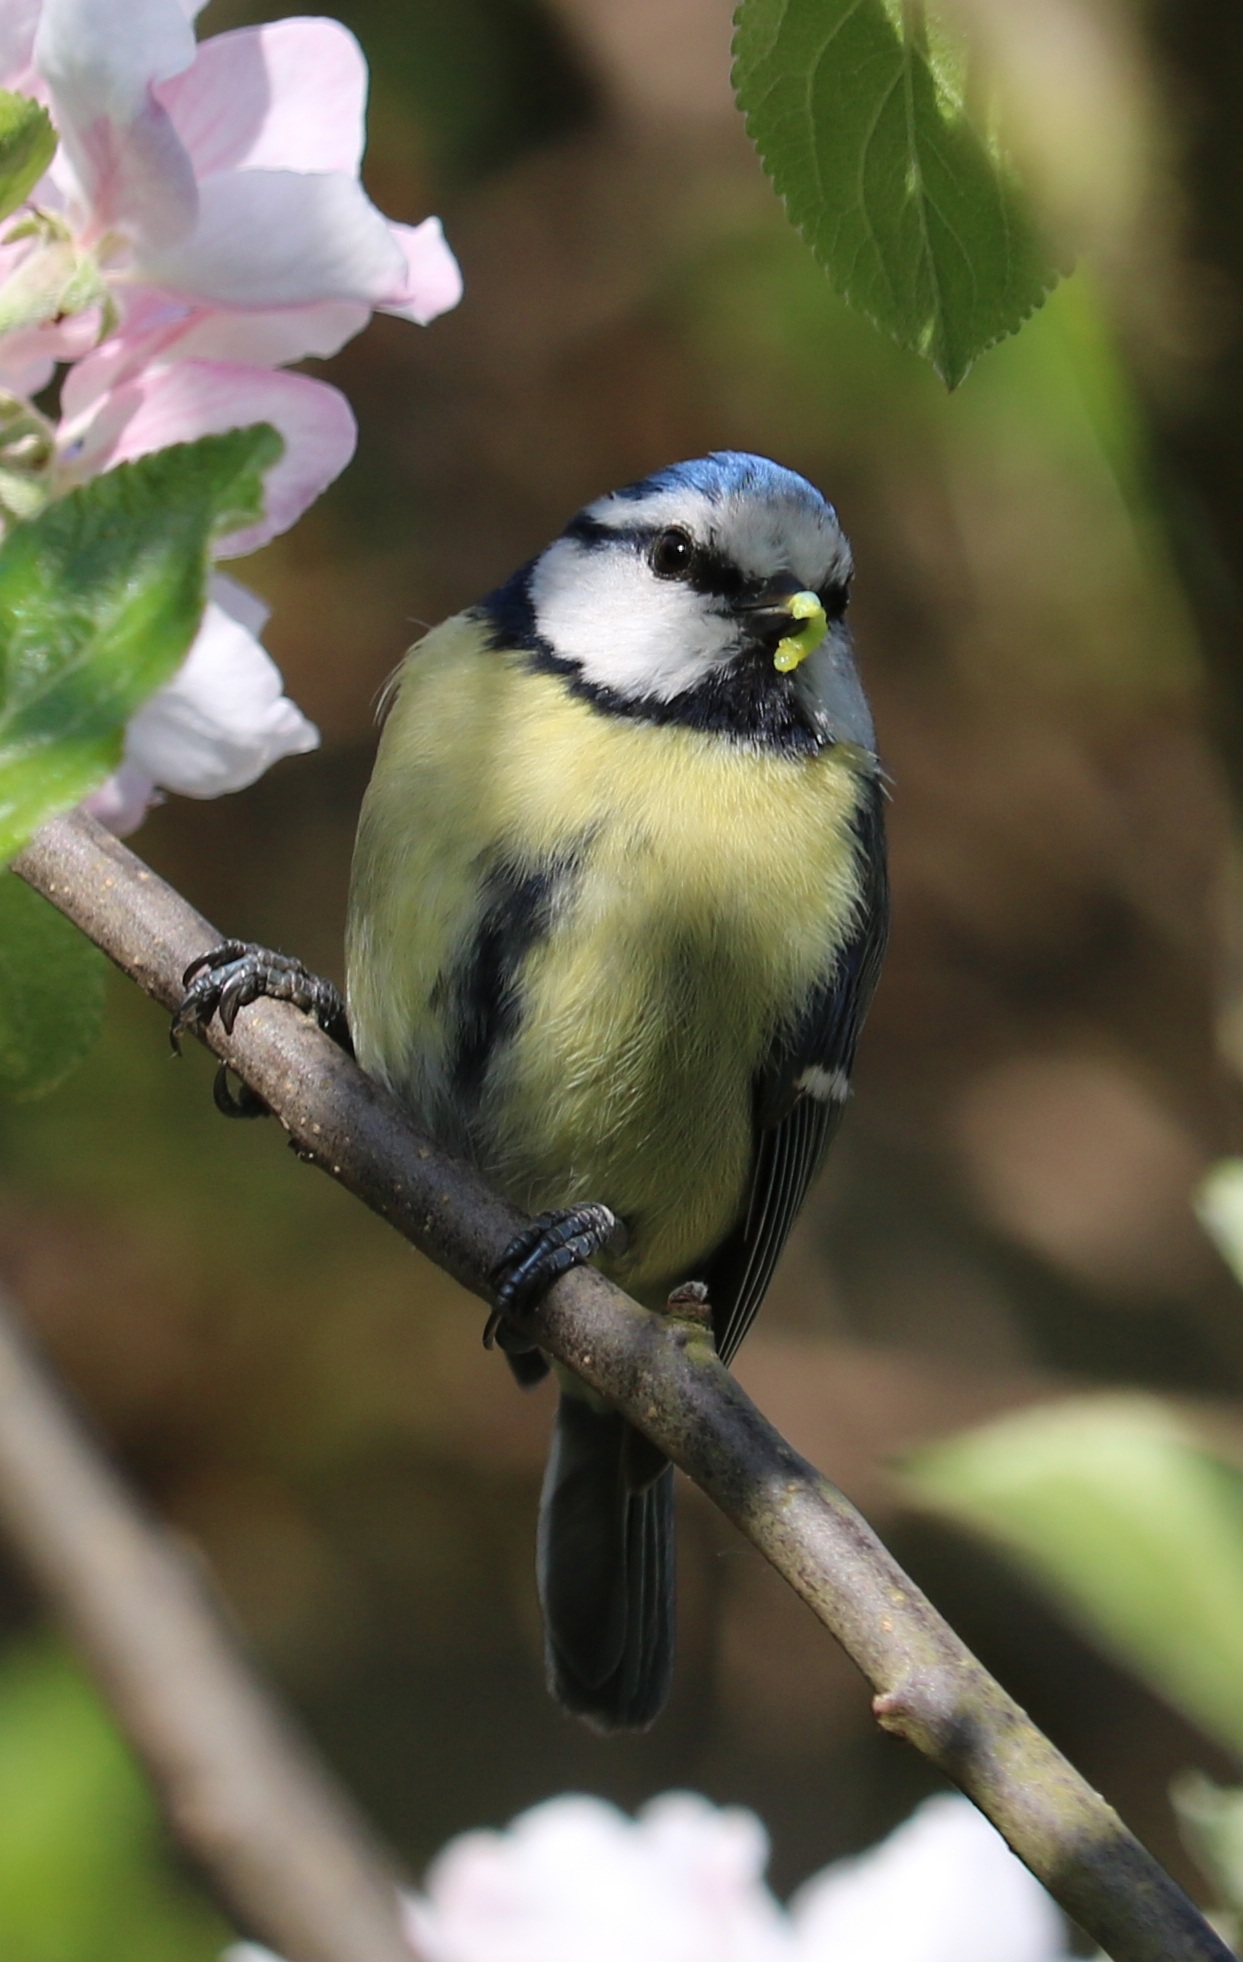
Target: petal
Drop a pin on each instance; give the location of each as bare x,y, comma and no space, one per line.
150,325
187,399
575,1878
278,238
944,1887
18,21
239,603
103,58
24,373
223,718
28,359
288,96
433,279
268,339
123,800
163,334
100,62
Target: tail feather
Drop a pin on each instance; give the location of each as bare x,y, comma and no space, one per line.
605,1565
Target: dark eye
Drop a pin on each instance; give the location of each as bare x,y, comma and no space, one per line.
672,553
835,600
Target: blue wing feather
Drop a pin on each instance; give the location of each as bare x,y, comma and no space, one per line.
793,1129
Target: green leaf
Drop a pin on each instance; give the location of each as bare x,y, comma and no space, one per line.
912,210
83,1873
1219,1208
27,146
51,992
100,597
55,280
1131,1522
1210,1819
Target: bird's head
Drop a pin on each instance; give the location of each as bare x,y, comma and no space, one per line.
711,593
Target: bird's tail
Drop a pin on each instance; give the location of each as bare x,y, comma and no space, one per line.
605,1563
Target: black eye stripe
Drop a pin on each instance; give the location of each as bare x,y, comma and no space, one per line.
709,573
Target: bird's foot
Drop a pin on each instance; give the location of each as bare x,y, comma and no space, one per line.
236,973
538,1256
226,980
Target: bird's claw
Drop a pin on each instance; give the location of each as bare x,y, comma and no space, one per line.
539,1255
242,1102
229,977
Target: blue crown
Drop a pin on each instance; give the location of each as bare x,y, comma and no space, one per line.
727,473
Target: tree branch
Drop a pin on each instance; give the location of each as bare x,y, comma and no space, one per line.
245,1795
665,1375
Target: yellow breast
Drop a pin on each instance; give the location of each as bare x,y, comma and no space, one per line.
712,887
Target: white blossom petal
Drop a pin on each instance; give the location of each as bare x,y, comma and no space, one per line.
267,339
187,399
100,62
291,95
281,238
944,1887
123,800
239,603
433,278
103,59
576,1878
18,21
223,719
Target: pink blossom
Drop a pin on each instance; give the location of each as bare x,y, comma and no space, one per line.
681,1883
217,725
684,1882
202,225
226,175
176,402
944,1887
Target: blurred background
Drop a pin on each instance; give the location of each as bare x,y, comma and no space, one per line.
1045,620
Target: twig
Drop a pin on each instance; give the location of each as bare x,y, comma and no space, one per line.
665,1375
244,1794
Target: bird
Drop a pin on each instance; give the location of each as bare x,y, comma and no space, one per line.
617,909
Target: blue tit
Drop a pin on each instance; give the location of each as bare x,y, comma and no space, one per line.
617,909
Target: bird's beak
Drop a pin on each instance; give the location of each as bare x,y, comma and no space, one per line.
795,616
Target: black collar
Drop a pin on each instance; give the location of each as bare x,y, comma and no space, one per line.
749,702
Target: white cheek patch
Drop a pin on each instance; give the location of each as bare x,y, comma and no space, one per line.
602,607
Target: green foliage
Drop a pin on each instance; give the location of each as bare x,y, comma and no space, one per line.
57,279
1131,1522
1219,1206
860,117
82,1877
100,597
1210,1817
51,992
27,146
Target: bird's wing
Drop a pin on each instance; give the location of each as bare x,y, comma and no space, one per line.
800,1095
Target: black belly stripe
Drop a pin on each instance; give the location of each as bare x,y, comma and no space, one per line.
484,993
